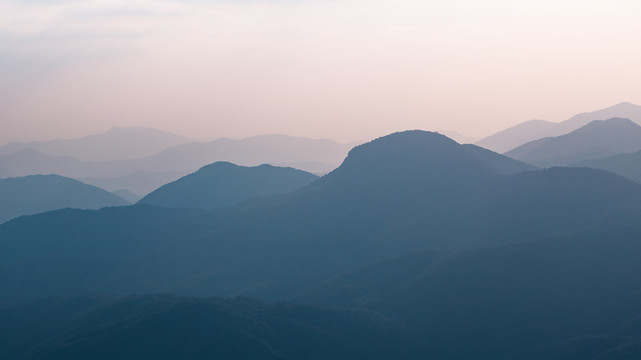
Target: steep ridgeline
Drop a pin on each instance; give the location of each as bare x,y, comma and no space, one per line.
39,193
598,139
223,184
396,194
627,165
118,143
525,132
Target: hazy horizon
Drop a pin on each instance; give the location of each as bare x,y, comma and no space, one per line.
347,70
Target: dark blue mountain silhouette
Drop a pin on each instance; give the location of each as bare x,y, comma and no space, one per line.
223,184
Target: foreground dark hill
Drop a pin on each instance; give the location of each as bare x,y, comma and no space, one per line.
598,139
169,327
627,165
397,194
118,143
127,195
525,132
223,184
39,193
570,296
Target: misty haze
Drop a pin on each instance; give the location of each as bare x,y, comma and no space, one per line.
320,180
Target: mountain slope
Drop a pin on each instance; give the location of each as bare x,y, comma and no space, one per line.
598,139
627,165
278,150
115,144
39,193
525,132
223,184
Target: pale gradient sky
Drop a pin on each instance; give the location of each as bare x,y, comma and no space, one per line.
346,70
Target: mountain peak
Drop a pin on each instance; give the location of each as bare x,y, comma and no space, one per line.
420,157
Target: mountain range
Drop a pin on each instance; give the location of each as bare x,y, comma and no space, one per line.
528,131
414,247
39,193
399,193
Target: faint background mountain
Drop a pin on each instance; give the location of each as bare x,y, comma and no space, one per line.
39,193
278,150
141,176
127,195
223,184
118,143
387,198
598,139
520,134
281,150
140,183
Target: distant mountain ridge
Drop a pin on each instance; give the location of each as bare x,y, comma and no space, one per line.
223,184
525,132
39,193
627,165
598,139
117,143
313,155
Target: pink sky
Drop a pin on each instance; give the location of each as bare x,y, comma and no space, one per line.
345,70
